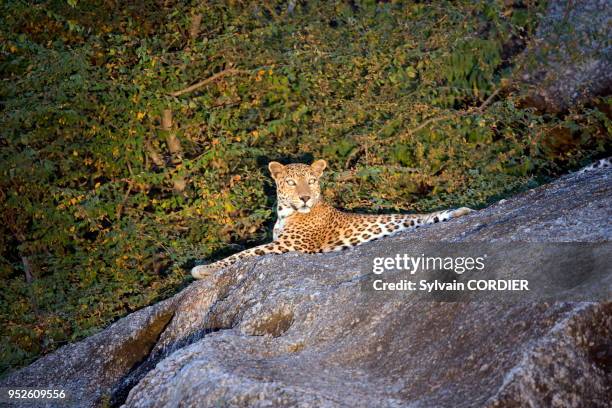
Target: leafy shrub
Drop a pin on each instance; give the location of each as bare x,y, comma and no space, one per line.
403,99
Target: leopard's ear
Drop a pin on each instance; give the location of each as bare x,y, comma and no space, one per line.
275,169
318,167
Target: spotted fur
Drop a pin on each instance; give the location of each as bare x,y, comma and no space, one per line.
307,224
599,164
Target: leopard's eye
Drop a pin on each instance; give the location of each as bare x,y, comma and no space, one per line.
291,182
312,181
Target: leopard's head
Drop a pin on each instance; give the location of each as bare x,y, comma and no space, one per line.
297,185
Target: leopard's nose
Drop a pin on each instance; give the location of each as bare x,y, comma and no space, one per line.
305,199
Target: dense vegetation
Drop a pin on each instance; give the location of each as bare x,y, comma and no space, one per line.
104,205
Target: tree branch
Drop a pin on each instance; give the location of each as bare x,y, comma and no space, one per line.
435,119
175,148
194,29
428,122
218,75
27,269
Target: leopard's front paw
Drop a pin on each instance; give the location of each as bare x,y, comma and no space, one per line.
202,271
460,212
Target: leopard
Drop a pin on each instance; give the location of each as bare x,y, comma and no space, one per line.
306,223
599,164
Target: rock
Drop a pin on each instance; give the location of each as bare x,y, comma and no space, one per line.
300,330
87,370
570,59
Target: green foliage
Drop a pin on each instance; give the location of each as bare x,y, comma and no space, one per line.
84,85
